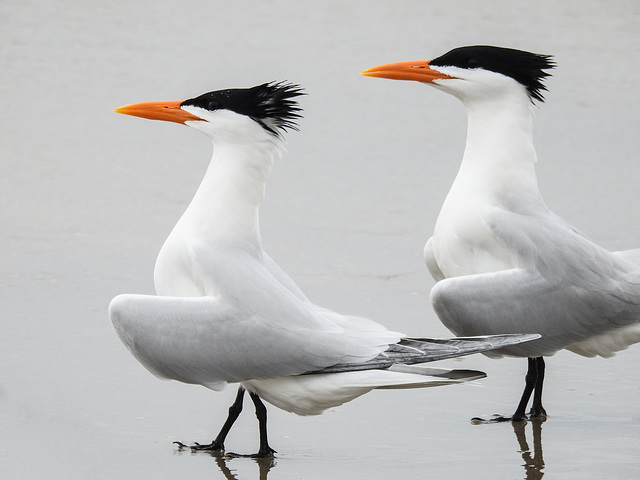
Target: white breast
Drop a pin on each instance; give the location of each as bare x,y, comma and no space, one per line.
464,242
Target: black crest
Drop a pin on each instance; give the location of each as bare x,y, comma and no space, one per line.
269,104
524,67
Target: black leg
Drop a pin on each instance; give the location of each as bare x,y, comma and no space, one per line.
218,443
533,384
537,410
261,413
529,386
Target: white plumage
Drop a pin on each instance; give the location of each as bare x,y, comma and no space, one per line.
502,261
225,312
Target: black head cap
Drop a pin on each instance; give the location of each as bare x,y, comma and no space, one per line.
524,67
268,104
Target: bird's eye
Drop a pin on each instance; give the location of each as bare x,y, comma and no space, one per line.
473,63
213,105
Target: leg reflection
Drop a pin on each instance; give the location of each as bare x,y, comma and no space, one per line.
533,461
265,464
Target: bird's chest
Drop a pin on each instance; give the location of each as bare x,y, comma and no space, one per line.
464,241
177,271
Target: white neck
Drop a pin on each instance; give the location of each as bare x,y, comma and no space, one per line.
226,204
497,173
223,215
499,157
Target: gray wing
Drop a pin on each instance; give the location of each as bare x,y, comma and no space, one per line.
564,309
568,290
206,341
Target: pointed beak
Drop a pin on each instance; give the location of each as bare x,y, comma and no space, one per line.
167,111
419,71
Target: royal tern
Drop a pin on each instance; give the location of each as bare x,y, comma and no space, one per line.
226,313
502,261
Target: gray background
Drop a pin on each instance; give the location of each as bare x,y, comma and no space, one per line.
88,196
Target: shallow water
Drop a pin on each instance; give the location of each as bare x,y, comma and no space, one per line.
87,198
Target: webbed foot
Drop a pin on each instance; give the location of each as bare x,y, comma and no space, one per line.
210,447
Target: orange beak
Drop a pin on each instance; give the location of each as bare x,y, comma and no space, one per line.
167,111
418,71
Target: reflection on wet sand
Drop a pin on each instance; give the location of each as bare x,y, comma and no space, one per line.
533,461
223,461
532,457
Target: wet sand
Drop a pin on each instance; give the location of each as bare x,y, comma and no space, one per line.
87,198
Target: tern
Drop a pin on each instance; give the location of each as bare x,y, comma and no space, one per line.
501,260
226,313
